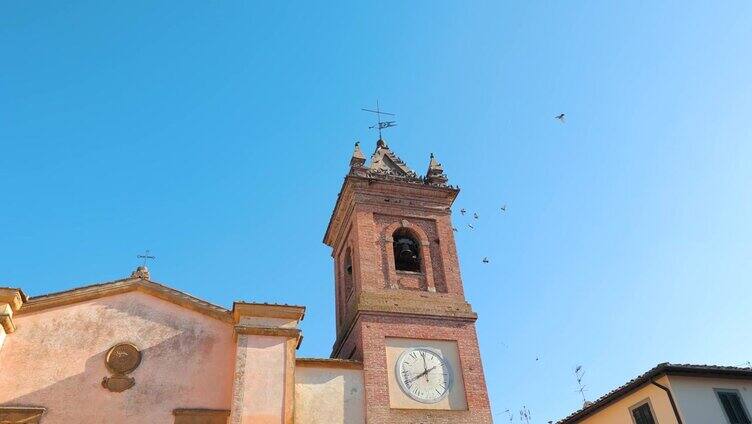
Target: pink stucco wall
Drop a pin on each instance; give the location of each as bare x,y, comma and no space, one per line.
55,359
260,378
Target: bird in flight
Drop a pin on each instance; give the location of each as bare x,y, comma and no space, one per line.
463,211
454,229
470,227
475,215
560,117
485,260
504,208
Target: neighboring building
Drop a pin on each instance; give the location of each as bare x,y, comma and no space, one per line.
135,351
675,394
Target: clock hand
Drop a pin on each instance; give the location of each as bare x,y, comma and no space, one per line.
421,374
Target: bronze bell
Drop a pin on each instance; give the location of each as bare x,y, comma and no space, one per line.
406,249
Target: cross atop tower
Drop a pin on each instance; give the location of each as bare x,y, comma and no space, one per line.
379,123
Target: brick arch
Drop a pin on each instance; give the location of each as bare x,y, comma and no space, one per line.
425,251
343,294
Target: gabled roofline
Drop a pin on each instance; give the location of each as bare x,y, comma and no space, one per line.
126,285
665,368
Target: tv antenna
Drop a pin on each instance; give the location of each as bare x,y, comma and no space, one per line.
579,373
379,123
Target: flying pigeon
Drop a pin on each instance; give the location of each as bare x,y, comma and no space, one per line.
504,208
454,229
485,260
560,117
470,226
475,215
463,211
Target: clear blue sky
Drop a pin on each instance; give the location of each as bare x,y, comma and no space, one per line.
217,135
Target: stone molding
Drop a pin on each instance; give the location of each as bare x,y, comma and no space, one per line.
14,297
21,414
6,321
201,416
82,294
267,310
372,191
291,333
11,301
427,305
329,363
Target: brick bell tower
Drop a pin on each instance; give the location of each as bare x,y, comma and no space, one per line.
400,302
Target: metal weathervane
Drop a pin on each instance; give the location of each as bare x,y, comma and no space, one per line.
379,123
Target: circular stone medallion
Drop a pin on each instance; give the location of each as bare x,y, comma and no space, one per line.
123,358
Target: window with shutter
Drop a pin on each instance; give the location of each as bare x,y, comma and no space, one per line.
733,407
643,415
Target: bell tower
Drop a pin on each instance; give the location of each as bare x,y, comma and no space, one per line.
400,306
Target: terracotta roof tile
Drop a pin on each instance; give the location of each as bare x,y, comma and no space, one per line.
658,370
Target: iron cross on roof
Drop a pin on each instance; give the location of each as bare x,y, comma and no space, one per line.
146,256
379,123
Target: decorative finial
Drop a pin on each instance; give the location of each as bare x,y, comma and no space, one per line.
358,159
141,272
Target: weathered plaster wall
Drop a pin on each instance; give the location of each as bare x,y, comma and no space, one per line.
698,402
259,393
329,395
55,359
619,412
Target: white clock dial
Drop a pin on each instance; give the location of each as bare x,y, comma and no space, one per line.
423,374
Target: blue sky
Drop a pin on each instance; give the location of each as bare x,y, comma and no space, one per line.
217,135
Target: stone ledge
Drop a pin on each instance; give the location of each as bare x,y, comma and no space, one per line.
21,414
267,310
6,321
200,416
329,363
14,297
291,333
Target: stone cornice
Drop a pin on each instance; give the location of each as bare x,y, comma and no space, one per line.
14,297
267,310
21,414
437,195
329,363
292,333
6,321
200,416
433,306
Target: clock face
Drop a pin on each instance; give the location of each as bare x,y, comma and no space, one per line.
423,374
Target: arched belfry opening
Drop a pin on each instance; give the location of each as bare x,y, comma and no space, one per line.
406,251
348,274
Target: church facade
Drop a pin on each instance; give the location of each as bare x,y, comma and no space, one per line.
134,350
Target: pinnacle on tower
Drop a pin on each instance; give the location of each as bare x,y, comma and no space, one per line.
435,174
358,159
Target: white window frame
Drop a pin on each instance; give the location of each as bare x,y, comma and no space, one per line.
717,390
